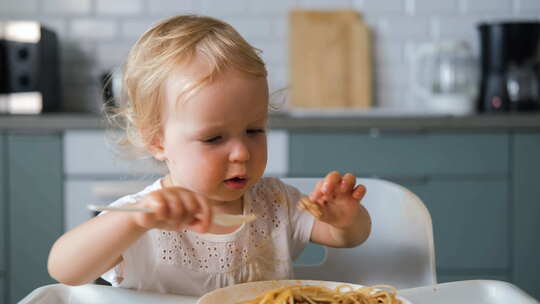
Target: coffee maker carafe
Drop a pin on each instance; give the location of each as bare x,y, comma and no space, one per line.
510,66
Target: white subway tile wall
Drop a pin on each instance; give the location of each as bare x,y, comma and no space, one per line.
439,7
524,6
95,35
99,30
119,7
492,6
66,7
390,7
19,7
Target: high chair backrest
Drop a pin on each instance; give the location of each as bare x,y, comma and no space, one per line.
399,251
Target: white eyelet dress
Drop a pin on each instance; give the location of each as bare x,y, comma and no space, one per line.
189,263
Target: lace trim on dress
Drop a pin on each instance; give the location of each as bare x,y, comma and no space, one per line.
253,243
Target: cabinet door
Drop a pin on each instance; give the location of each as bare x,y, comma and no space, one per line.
35,209
79,193
526,194
3,221
470,225
95,153
3,295
398,154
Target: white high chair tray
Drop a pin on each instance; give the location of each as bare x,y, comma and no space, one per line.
463,292
94,294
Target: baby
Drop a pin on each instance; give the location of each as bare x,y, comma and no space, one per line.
197,100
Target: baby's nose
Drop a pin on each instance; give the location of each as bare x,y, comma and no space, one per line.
239,152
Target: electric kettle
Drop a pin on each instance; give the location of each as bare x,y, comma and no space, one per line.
445,77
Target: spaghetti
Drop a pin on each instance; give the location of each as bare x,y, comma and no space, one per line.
306,204
343,294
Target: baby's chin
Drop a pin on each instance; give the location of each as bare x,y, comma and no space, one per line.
228,197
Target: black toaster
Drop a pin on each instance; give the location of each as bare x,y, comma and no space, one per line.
29,68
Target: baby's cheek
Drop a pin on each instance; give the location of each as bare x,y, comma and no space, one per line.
206,175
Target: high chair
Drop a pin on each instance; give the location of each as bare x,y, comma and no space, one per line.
400,250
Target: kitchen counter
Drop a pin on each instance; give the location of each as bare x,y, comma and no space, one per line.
345,122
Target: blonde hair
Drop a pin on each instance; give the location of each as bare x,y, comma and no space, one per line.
164,47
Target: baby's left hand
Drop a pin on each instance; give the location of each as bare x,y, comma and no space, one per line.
338,199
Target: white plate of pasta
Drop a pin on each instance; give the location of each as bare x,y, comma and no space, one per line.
302,291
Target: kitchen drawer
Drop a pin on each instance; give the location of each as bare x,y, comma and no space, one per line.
90,153
470,222
398,154
79,193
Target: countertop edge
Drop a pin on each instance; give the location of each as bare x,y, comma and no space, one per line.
79,121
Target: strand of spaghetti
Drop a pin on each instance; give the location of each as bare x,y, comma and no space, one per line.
282,298
306,204
308,299
265,298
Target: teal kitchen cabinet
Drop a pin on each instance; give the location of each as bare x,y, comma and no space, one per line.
464,178
396,154
2,290
526,211
32,178
3,222
471,226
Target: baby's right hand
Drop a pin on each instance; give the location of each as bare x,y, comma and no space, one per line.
174,208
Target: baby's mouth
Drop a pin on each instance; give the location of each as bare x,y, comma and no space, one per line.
237,182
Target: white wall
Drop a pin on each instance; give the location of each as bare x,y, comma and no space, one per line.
96,34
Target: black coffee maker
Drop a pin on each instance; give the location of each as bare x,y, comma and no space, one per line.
510,59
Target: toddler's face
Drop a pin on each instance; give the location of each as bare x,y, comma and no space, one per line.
215,142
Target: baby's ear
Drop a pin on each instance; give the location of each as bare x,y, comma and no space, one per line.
156,148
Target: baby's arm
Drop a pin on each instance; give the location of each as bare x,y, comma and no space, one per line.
89,250
84,253
342,221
